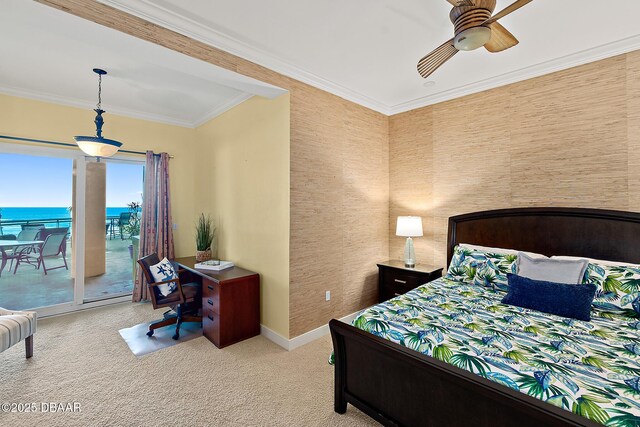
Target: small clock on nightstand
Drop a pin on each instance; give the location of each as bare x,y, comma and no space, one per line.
396,279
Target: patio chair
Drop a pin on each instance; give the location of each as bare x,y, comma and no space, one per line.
54,245
27,233
47,231
124,219
30,233
31,226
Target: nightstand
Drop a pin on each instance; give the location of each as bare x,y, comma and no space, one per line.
396,279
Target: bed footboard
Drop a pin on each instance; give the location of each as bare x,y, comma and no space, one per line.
400,387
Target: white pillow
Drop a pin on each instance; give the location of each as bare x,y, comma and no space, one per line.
555,270
162,272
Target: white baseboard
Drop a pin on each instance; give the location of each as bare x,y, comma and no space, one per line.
300,340
274,336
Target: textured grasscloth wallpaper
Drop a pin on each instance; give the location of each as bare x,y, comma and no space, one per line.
339,207
571,138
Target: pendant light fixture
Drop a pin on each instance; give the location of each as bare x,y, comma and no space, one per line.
97,146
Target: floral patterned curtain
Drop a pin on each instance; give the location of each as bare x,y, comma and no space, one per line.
156,232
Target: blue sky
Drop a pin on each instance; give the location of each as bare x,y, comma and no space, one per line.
35,181
124,183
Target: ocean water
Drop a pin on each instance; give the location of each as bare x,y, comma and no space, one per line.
42,213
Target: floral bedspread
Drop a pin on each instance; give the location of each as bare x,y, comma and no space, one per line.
590,368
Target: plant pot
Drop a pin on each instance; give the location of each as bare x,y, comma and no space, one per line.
203,255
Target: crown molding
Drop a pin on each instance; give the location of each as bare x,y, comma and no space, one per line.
222,109
134,114
569,61
79,103
166,18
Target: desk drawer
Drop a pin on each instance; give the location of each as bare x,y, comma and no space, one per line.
211,326
211,295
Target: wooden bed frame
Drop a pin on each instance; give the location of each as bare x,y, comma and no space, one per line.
398,386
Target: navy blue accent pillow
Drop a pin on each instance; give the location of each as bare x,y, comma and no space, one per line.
561,299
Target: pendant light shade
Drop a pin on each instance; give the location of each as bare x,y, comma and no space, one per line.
97,146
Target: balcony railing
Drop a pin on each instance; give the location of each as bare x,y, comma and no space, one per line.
47,222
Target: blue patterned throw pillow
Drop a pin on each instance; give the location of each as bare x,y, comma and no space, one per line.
618,288
562,299
162,272
482,267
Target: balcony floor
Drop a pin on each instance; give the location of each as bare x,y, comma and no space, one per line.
30,288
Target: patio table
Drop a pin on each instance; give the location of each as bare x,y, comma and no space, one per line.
8,244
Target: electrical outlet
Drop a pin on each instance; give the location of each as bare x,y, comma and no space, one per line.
327,295
175,226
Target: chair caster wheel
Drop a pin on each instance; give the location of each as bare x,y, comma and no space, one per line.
150,333
176,337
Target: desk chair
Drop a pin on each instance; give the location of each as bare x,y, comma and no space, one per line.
184,300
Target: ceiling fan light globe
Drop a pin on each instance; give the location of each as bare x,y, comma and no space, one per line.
472,39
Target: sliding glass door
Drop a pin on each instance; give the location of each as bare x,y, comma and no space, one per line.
112,241
68,228
35,231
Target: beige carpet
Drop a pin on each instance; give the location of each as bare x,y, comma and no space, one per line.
82,358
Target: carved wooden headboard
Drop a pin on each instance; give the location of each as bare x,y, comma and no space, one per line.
592,233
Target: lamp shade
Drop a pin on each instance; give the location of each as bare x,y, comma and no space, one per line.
97,147
409,226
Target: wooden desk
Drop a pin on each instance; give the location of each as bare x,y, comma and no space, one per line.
230,302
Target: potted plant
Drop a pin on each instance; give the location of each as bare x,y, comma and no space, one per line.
204,238
133,227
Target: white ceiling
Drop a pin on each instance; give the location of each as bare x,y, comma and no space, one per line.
366,50
48,55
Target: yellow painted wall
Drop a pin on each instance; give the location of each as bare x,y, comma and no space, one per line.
41,120
244,185
235,167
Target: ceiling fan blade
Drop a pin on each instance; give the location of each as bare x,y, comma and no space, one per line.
507,10
501,38
435,59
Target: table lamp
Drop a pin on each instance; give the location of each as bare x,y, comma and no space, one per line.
409,226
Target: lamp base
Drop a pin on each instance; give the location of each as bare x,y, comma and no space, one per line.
409,254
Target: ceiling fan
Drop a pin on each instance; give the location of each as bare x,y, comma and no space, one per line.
474,27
